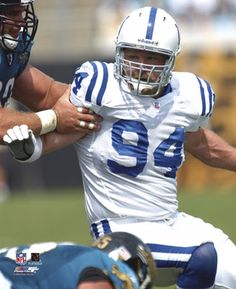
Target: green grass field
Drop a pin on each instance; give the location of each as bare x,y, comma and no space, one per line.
51,216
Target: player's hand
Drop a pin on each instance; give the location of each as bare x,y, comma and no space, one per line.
73,119
20,141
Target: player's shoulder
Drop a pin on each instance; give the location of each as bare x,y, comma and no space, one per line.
95,70
95,66
90,83
195,91
188,79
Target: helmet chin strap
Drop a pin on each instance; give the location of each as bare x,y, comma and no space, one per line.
144,90
8,41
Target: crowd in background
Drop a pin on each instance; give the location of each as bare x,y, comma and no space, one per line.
87,28
188,11
197,19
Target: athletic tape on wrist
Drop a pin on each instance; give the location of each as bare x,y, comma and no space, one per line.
38,149
48,120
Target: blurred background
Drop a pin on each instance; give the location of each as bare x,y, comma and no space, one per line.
46,200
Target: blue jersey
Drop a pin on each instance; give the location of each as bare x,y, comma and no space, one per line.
58,266
12,63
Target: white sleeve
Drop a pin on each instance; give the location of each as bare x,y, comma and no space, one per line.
89,85
199,99
80,84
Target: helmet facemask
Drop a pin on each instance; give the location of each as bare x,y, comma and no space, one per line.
26,27
140,79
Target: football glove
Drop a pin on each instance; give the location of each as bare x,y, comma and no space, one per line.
22,143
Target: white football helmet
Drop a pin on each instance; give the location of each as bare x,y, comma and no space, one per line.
150,29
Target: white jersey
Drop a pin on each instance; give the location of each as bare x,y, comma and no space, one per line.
129,166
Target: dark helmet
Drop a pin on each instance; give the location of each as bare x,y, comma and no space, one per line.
130,249
27,27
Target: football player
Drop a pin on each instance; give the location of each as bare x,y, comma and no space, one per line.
28,85
126,263
151,114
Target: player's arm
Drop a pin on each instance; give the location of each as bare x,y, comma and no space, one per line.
36,89
10,117
24,92
55,141
39,92
26,147
211,149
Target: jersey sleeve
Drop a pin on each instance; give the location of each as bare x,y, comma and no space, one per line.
199,99
89,85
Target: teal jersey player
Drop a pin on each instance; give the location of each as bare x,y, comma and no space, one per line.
60,266
12,63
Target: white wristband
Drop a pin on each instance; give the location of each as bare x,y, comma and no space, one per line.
48,120
38,149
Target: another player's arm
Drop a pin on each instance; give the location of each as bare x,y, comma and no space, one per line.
55,141
37,90
31,88
40,92
211,149
25,147
10,117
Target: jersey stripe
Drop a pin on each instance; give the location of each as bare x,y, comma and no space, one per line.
211,98
106,226
206,108
151,22
171,256
94,229
202,96
103,224
93,81
104,84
